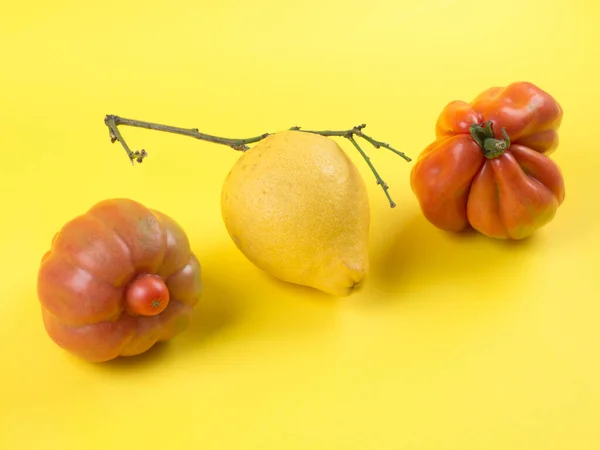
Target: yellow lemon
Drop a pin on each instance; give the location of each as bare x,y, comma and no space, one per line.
296,206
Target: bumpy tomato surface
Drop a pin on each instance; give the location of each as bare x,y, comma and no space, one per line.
116,280
489,166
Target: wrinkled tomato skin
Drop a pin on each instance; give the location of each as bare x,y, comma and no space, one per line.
506,197
83,279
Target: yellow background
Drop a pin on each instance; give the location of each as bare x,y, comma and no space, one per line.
454,343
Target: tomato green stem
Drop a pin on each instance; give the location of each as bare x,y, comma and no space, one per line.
113,122
484,136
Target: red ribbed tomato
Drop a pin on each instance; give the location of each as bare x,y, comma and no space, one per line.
117,279
489,166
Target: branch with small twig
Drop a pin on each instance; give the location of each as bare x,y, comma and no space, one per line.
113,122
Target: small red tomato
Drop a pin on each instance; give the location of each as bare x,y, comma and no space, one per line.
117,280
147,295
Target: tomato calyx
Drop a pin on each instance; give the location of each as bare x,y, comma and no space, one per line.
483,134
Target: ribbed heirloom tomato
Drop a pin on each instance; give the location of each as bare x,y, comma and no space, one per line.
489,167
117,279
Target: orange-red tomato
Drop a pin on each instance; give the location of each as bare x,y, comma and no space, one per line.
147,295
116,280
489,166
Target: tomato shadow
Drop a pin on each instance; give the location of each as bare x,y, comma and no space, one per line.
218,309
415,256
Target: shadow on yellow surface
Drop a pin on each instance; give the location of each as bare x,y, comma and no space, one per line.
418,255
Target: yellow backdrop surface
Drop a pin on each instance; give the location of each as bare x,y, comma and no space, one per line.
455,342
